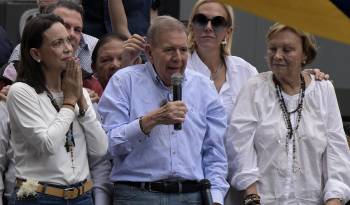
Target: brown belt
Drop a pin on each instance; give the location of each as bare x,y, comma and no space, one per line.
66,193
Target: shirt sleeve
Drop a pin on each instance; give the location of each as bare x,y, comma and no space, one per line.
337,156
4,144
96,138
214,154
100,168
114,107
242,157
27,116
15,55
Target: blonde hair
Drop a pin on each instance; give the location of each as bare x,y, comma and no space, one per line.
225,49
307,40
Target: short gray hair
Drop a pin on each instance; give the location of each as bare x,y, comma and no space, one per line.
163,23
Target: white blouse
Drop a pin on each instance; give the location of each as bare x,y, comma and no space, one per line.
257,145
38,134
6,154
237,74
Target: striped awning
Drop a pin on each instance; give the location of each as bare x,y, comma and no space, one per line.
325,18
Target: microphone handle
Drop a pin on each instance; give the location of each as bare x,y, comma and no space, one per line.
177,95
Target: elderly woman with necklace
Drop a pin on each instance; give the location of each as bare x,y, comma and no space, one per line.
286,138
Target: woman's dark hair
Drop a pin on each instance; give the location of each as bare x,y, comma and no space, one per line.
30,71
104,40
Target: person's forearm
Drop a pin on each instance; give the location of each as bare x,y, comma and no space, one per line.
333,202
251,189
118,17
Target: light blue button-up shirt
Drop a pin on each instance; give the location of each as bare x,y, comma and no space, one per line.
193,153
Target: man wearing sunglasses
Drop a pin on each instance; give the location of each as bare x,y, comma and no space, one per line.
154,162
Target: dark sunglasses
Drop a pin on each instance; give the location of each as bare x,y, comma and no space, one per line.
218,22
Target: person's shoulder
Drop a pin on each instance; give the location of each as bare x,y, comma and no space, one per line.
259,81
323,85
130,72
91,41
132,69
21,88
241,65
193,75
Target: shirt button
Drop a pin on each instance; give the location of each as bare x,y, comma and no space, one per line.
174,153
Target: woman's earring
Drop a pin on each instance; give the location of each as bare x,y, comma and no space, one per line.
224,42
38,60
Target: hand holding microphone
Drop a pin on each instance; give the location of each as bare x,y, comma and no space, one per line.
171,112
176,82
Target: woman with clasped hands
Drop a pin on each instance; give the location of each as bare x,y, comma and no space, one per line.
54,127
286,140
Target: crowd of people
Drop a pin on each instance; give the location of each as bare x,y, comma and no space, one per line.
86,120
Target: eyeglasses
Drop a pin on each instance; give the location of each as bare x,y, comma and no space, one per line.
218,22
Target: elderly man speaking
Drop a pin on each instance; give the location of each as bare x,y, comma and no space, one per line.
153,162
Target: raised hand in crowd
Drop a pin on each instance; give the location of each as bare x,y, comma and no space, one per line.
93,95
3,93
132,50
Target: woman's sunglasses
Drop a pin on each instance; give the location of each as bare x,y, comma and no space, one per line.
218,22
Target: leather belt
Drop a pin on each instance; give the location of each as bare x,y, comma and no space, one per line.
165,186
65,192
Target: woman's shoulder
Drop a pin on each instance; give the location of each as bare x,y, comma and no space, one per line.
259,83
320,85
20,87
241,65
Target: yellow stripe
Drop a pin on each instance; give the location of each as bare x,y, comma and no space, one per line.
319,17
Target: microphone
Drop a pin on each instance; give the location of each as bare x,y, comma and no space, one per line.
205,190
176,81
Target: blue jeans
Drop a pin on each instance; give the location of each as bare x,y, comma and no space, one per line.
129,195
43,199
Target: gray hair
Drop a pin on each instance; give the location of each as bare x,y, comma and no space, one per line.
163,23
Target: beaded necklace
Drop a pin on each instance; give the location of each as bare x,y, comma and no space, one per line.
69,144
286,114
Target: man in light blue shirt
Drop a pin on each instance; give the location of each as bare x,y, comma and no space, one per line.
152,161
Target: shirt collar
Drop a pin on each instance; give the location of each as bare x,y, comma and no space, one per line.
82,42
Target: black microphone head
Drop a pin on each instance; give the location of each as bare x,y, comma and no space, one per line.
205,183
176,79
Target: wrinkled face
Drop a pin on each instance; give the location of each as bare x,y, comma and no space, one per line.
168,53
73,23
285,53
210,25
56,48
108,60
